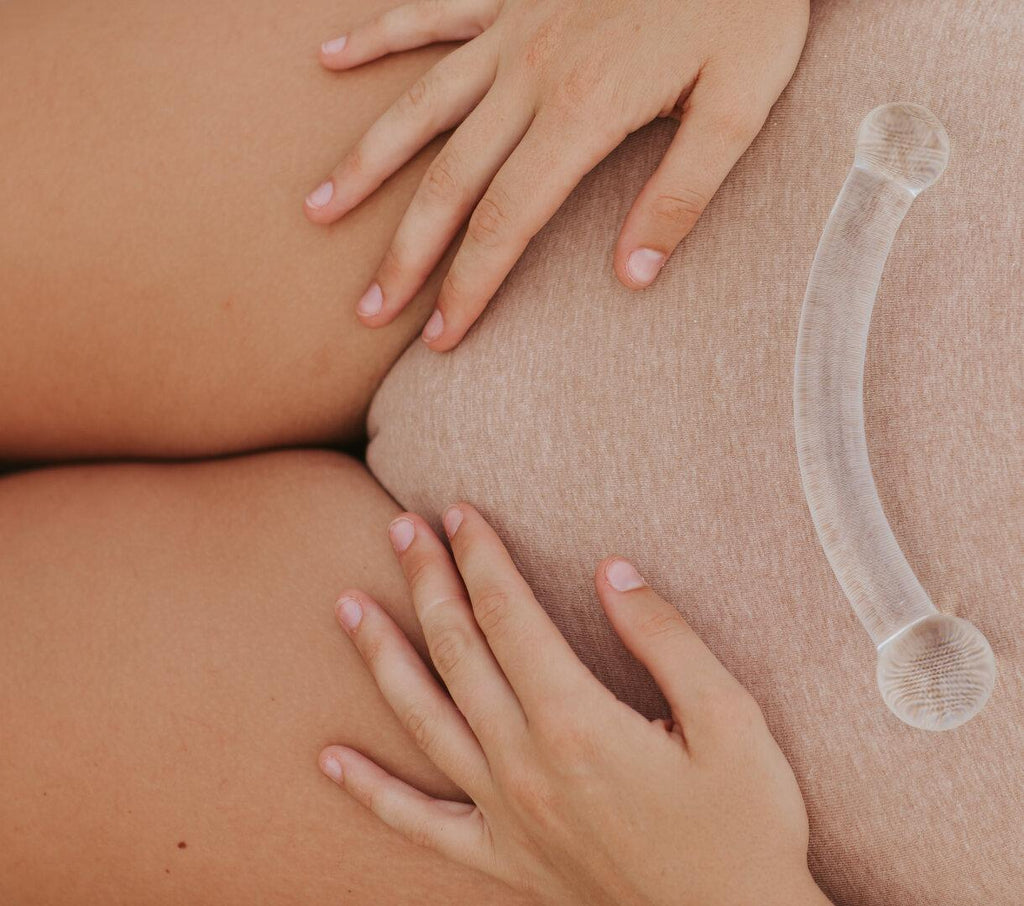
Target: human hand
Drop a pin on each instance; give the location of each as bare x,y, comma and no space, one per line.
544,90
576,798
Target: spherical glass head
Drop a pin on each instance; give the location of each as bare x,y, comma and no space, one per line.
905,143
936,674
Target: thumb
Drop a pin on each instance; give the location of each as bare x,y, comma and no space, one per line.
710,139
656,634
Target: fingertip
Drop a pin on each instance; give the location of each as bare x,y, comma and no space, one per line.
447,341
434,328
620,274
349,612
370,304
401,532
451,519
620,575
641,267
441,348
330,764
330,52
378,308
599,571
317,205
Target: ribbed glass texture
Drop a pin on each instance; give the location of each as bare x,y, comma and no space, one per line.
935,671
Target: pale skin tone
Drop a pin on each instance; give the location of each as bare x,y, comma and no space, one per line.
162,296
576,798
541,91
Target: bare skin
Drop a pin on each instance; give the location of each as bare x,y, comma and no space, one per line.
169,670
542,91
577,798
162,293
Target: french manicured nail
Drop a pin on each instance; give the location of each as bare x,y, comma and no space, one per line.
401,532
331,766
372,301
622,576
335,45
320,195
452,519
434,327
350,612
643,265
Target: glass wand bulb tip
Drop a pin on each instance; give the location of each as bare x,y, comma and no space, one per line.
937,673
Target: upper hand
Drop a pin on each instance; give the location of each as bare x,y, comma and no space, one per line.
576,798
544,89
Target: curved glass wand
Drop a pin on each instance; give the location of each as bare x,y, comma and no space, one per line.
935,671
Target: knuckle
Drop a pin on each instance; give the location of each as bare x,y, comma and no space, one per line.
355,161
418,726
371,798
416,99
537,799
393,263
542,44
681,209
454,289
527,787
439,182
491,608
572,739
371,647
663,623
489,224
417,570
579,86
419,834
450,646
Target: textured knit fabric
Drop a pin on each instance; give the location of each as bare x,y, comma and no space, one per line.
584,419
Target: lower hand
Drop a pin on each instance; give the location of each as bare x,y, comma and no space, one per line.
544,90
576,798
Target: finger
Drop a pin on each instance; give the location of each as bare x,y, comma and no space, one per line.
538,176
434,103
406,27
456,644
712,135
454,182
534,655
421,706
690,677
454,829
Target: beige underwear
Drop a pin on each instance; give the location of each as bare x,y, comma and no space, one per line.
584,419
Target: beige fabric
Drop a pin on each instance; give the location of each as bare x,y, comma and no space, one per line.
584,420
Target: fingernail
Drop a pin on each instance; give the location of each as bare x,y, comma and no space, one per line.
643,265
401,532
372,301
622,576
335,45
331,766
320,195
350,612
434,327
452,519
